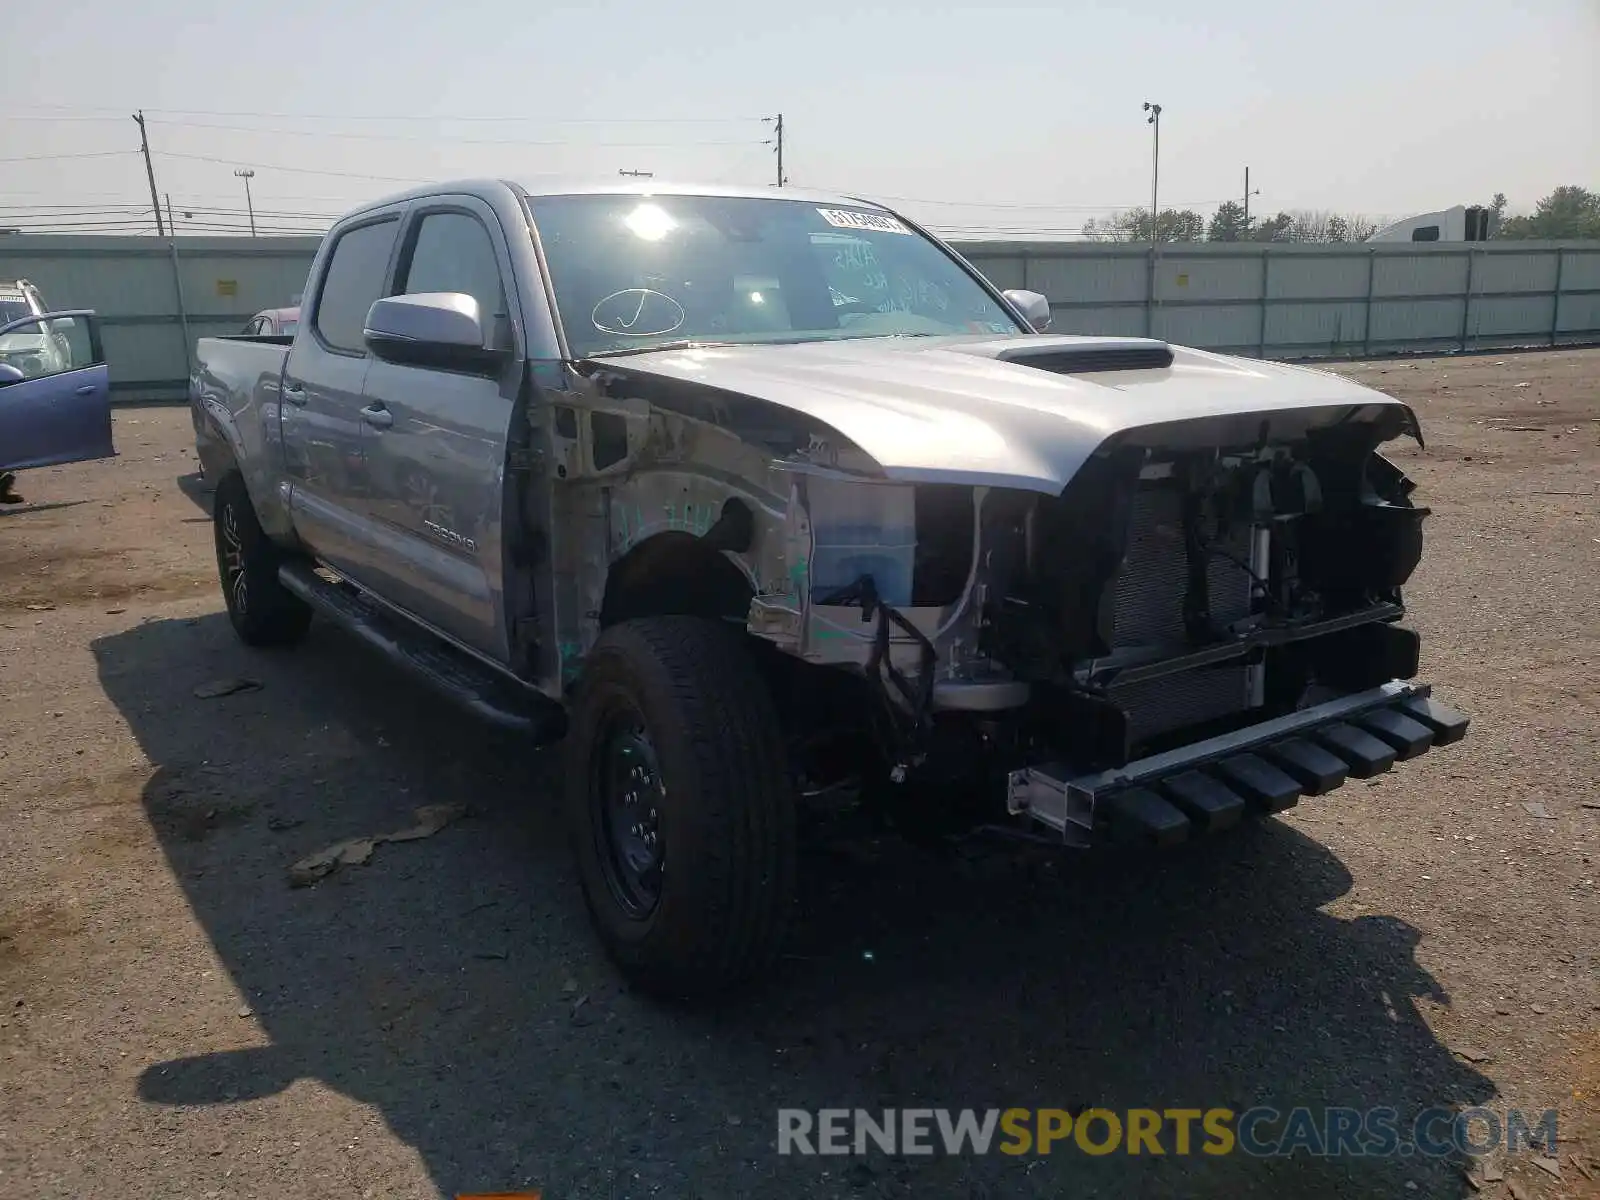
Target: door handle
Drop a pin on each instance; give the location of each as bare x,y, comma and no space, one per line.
294,393
377,416
86,390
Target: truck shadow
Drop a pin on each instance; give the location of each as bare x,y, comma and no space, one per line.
453,982
197,489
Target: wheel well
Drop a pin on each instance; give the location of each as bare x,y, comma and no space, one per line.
674,574
215,451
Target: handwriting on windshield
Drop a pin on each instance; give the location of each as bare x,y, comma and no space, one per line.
861,263
637,312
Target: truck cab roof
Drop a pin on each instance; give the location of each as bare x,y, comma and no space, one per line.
19,299
490,189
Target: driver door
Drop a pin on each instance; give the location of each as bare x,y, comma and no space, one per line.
55,398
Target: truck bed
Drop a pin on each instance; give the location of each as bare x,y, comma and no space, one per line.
230,375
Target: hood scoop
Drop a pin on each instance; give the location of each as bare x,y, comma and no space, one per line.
1101,354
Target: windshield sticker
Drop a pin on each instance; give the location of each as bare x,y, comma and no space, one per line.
850,218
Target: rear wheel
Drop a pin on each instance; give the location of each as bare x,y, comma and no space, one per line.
679,805
263,611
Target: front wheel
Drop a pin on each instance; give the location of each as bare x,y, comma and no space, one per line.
262,610
679,806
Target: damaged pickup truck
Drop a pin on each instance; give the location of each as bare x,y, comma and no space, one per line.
764,498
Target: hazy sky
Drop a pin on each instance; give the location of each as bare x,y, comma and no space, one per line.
1383,108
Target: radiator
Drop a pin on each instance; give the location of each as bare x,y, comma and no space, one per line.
1147,599
1147,593
1159,706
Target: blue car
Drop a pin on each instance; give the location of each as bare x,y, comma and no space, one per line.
55,396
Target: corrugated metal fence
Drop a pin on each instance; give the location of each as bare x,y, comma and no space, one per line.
1272,300
156,297
1265,300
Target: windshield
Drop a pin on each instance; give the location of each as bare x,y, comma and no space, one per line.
14,310
633,271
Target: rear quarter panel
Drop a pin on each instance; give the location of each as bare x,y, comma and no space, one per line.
234,397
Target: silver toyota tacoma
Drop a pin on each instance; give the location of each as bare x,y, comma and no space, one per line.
760,499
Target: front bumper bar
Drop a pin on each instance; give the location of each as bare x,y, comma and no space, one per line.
1266,768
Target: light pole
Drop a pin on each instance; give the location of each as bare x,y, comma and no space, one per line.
247,175
1154,121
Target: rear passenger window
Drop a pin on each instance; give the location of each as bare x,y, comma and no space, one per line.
453,253
354,279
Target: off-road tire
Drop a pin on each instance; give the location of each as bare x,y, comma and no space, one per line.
727,819
262,610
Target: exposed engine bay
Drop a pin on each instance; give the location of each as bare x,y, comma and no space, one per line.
953,647
1162,597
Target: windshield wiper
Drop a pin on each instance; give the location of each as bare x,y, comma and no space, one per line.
686,344
696,344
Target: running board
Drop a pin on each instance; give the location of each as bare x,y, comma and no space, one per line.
473,685
1264,768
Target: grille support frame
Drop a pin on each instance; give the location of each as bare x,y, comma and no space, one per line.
1144,609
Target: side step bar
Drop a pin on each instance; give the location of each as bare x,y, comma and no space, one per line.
473,685
1263,768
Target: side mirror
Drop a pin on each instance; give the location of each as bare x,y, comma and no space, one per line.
10,374
1034,307
429,329
65,322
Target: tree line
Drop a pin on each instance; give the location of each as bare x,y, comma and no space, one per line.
1228,224
1567,212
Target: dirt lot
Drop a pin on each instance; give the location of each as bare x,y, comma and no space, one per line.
177,1021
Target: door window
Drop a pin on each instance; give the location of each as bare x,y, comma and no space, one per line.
353,280
452,252
50,346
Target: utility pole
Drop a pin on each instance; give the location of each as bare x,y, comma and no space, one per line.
1154,120
171,224
637,174
778,138
247,174
150,172
1247,194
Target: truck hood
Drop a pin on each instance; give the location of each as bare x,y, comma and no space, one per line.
972,410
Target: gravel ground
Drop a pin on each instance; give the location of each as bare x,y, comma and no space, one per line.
175,1020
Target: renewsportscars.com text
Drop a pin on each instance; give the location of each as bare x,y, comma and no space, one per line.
1260,1132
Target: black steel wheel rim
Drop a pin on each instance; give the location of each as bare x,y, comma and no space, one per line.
627,794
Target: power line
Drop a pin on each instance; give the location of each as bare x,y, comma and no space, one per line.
123,195
408,137
239,162
109,226
136,207
293,116
1091,208
265,166
102,208
48,226
14,116
83,154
